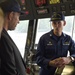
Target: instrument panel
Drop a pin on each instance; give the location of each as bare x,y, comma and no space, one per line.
36,9
27,8
45,8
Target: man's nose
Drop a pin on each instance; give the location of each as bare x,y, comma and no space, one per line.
57,24
18,21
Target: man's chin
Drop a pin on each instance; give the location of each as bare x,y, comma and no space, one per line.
12,29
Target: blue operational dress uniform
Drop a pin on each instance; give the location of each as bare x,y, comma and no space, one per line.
51,47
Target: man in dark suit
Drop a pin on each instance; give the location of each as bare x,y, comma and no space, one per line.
11,60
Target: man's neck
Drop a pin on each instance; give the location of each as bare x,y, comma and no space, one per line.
5,26
58,33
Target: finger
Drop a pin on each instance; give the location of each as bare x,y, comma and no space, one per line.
61,65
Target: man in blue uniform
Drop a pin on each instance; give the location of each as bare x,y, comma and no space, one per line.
53,47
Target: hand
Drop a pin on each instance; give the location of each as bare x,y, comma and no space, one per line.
65,60
60,62
55,63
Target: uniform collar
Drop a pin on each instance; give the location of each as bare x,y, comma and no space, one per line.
51,34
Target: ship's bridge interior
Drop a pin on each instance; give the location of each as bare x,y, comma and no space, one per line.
37,22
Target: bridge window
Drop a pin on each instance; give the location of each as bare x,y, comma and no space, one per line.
43,27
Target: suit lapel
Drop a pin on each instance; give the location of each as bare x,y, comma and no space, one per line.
20,65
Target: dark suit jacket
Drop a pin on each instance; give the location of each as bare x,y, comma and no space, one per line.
11,60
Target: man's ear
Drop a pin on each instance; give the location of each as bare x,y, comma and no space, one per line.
10,15
64,23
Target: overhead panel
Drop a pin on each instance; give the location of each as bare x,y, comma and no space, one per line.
27,8
35,9
45,8
40,8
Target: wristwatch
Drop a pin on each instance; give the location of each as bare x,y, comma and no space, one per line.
72,58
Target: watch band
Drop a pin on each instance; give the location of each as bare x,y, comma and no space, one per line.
72,58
